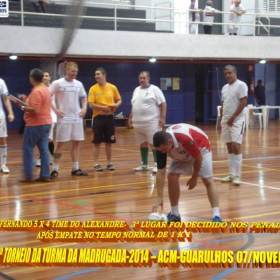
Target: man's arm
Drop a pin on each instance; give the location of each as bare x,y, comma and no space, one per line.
192,182
130,120
243,102
95,106
8,105
84,107
160,178
162,114
221,115
118,104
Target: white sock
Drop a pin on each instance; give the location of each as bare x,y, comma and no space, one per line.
75,166
231,164
55,166
238,164
175,210
216,211
3,152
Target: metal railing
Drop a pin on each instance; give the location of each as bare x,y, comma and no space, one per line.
171,10
267,29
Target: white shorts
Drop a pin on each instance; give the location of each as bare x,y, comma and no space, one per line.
51,131
69,131
232,29
145,133
234,133
186,167
3,128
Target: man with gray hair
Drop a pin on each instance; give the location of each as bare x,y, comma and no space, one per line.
37,116
235,17
232,121
147,115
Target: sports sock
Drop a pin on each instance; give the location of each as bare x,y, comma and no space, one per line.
216,211
144,154
3,152
55,166
231,164
75,166
238,164
175,210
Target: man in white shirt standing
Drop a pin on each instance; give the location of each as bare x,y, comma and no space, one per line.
147,116
69,92
235,17
3,126
232,122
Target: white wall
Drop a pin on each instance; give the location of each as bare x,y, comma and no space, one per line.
159,13
47,41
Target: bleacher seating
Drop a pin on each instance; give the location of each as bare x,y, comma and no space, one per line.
97,24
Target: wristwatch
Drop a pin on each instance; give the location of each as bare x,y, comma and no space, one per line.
22,108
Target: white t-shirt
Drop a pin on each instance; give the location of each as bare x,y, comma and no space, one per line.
145,105
3,91
67,99
234,18
231,94
208,15
189,141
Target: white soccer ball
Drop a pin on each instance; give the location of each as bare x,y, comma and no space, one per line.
158,217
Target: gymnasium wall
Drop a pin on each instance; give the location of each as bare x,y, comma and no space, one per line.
124,74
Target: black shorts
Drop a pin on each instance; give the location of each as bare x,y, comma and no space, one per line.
103,129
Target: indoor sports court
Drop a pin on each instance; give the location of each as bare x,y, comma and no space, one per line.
123,37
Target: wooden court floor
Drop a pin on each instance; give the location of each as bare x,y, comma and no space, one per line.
128,196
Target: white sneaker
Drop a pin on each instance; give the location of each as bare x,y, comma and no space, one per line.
5,169
142,167
228,178
155,168
236,180
38,163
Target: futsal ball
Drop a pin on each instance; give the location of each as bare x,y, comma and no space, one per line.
158,217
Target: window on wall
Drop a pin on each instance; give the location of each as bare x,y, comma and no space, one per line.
271,5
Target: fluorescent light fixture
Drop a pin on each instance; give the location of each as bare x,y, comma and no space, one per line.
152,59
13,57
262,61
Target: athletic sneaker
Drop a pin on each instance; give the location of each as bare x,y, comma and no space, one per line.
110,167
78,172
173,218
142,167
98,168
155,168
236,180
38,163
54,174
5,169
228,178
217,219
